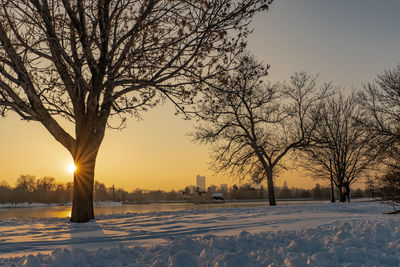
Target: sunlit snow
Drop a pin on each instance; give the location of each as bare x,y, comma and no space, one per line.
350,234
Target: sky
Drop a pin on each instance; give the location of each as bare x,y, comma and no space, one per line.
347,42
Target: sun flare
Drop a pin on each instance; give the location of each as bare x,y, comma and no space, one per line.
71,168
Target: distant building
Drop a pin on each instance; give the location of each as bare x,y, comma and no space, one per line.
201,183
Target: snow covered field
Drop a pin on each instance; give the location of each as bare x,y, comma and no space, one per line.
350,234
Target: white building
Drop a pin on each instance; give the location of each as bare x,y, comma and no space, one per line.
201,183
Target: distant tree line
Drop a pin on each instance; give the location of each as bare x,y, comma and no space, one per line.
29,189
319,192
284,192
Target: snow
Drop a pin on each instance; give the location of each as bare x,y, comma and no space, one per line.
332,234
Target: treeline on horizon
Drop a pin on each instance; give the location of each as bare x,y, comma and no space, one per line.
29,189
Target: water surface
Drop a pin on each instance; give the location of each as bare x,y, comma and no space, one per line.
65,211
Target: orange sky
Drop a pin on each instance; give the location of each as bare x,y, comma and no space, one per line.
347,44
155,153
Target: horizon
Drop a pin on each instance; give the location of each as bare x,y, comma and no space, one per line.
321,183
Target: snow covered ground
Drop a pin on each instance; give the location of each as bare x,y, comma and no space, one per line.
350,234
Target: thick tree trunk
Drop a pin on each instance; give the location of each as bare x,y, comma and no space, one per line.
82,202
271,190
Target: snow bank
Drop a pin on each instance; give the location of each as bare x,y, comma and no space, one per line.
357,234
347,244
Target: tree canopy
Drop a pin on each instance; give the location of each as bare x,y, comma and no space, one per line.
89,61
253,124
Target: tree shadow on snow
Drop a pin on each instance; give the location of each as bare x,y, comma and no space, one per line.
88,235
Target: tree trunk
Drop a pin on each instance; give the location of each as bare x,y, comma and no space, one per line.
332,187
271,190
341,196
82,202
332,191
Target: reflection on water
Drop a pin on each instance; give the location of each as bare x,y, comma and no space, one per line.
35,212
65,211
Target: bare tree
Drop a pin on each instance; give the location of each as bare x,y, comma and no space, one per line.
388,187
26,183
90,61
253,125
341,148
380,105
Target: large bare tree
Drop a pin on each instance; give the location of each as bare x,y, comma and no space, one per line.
341,146
253,125
89,61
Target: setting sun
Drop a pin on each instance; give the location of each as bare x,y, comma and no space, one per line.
71,168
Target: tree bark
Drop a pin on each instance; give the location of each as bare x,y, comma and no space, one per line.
332,191
271,190
331,177
341,196
82,202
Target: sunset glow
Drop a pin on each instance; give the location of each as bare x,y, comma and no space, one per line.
71,168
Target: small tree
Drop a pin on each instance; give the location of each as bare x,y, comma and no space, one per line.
100,191
25,187
90,61
26,183
389,187
46,184
252,125
5,192
341,147
317,191
44,188
285,191
380,103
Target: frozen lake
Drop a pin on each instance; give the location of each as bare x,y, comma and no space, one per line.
116,208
